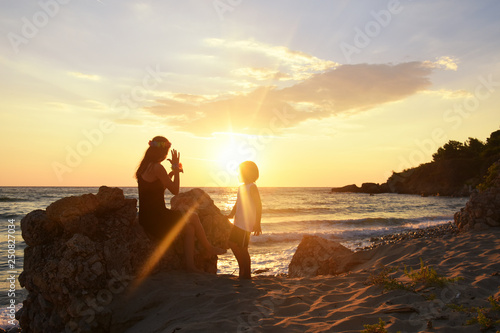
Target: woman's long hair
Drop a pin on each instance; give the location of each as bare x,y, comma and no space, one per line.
157,151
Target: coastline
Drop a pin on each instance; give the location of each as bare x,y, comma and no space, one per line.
175,301
446,230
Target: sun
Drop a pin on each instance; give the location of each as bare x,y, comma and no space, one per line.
233,149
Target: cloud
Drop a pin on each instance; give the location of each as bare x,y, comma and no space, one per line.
261,74
359,87
445,62
450,94
184,98
300,65
85,76
348,88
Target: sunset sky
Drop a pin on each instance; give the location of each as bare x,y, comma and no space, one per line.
317,93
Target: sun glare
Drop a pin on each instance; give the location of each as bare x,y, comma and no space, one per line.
232,150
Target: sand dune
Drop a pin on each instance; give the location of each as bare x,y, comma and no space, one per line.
179,302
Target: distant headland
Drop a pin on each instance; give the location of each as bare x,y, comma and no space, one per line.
456,170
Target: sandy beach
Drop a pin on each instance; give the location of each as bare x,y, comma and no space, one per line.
179,302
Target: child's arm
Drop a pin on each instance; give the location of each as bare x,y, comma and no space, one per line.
254,193
231,215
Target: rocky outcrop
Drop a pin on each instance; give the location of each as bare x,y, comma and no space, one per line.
482,211
454,177
370,188
353,188
318,256
457,168
83,252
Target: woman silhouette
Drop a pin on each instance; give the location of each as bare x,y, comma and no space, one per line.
156,219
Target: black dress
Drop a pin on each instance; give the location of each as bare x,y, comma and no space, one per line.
156,219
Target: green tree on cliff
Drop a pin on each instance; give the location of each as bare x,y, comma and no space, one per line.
472,148
492,148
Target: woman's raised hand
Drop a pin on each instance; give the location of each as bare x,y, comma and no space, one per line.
176,165
175,157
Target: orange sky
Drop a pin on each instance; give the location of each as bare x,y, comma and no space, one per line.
325,95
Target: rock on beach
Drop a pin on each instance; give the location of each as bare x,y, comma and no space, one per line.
482,211
318,256
84,251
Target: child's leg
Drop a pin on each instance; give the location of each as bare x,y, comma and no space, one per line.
237,254
243,258
245,264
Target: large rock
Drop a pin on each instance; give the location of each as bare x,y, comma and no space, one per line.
84,251
217,226
482,211
38,229
318,256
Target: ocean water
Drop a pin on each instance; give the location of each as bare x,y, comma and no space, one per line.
288,214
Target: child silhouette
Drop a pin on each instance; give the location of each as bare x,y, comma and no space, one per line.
247,214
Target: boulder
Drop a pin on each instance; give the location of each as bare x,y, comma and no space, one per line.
318,256
482,211
71,208
83,252
217,226
38,229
